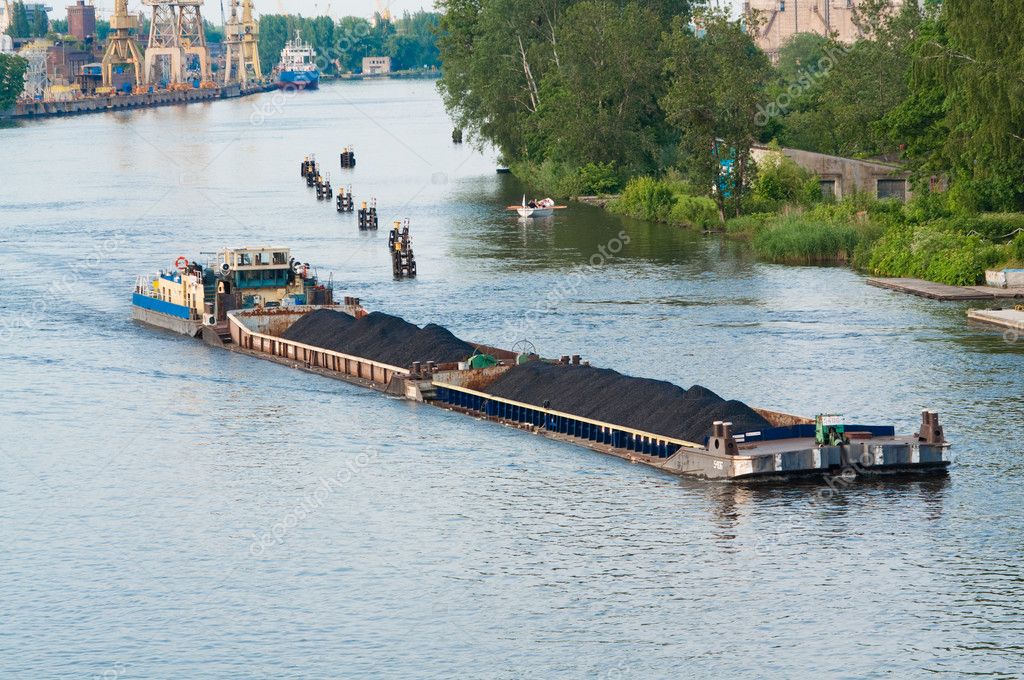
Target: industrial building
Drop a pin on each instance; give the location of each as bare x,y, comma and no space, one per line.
779,20
376,65
841,177
82,20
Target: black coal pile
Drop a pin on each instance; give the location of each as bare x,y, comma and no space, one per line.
379,337
319,328
601,394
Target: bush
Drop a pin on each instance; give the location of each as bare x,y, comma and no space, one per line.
992,226
780,180
695,211
597,179
1016,248
934,252
748,226
800,239
646,198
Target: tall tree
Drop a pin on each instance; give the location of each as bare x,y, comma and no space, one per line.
12,79
40,22
19,26
601,103
716,81
982,67
836,104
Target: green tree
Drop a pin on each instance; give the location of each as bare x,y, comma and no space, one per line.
273,36
716,82
496,53
835,106
12,79
980,65
19,26
600,104
40,23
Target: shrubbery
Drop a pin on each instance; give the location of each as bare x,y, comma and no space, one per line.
802,239
934,252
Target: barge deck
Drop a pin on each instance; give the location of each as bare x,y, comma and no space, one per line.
788,449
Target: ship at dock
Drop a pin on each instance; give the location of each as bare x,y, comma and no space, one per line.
190,296
297,68
263,303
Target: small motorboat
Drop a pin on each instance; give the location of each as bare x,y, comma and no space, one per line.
545,207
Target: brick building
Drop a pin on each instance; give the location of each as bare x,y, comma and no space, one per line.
82,20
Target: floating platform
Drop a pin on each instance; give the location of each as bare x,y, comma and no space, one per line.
1012,319
941,291
786,449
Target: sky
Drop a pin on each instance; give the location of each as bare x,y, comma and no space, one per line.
338,8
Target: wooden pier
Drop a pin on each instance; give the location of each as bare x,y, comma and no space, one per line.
1012,319
940,291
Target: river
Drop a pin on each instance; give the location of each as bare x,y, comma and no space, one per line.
169,510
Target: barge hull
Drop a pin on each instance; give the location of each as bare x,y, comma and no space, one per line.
176,324
874,451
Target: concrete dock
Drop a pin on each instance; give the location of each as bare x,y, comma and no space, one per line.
940,291
120,102
1012,319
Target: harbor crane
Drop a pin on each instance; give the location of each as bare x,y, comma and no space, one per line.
122,50
241,37
176,52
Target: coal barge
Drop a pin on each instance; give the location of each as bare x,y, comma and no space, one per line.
690,432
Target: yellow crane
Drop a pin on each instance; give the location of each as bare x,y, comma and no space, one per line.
242,59
121,47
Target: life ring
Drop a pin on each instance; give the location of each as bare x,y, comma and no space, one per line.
181,263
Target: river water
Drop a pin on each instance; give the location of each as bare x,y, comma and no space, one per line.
169,510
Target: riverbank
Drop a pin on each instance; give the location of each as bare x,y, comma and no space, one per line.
73,107
427,73
925,238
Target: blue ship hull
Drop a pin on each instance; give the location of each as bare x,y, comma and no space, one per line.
300,80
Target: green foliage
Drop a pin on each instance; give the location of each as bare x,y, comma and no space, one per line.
934,252
834,103
40,23
340,46
979,64
570,82
715,83
1016,248
666,200
781,181
750,225
695,211
19,25
646,198
12,79
597,179
801,239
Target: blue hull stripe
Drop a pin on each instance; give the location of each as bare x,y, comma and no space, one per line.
154,305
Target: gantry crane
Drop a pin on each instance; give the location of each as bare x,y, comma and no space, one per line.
177,50
121,46
242,60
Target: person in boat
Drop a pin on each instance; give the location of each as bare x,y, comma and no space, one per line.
532,204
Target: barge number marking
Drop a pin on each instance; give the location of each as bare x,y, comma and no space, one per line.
718,465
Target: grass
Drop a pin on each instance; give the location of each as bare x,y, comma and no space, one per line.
799,239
